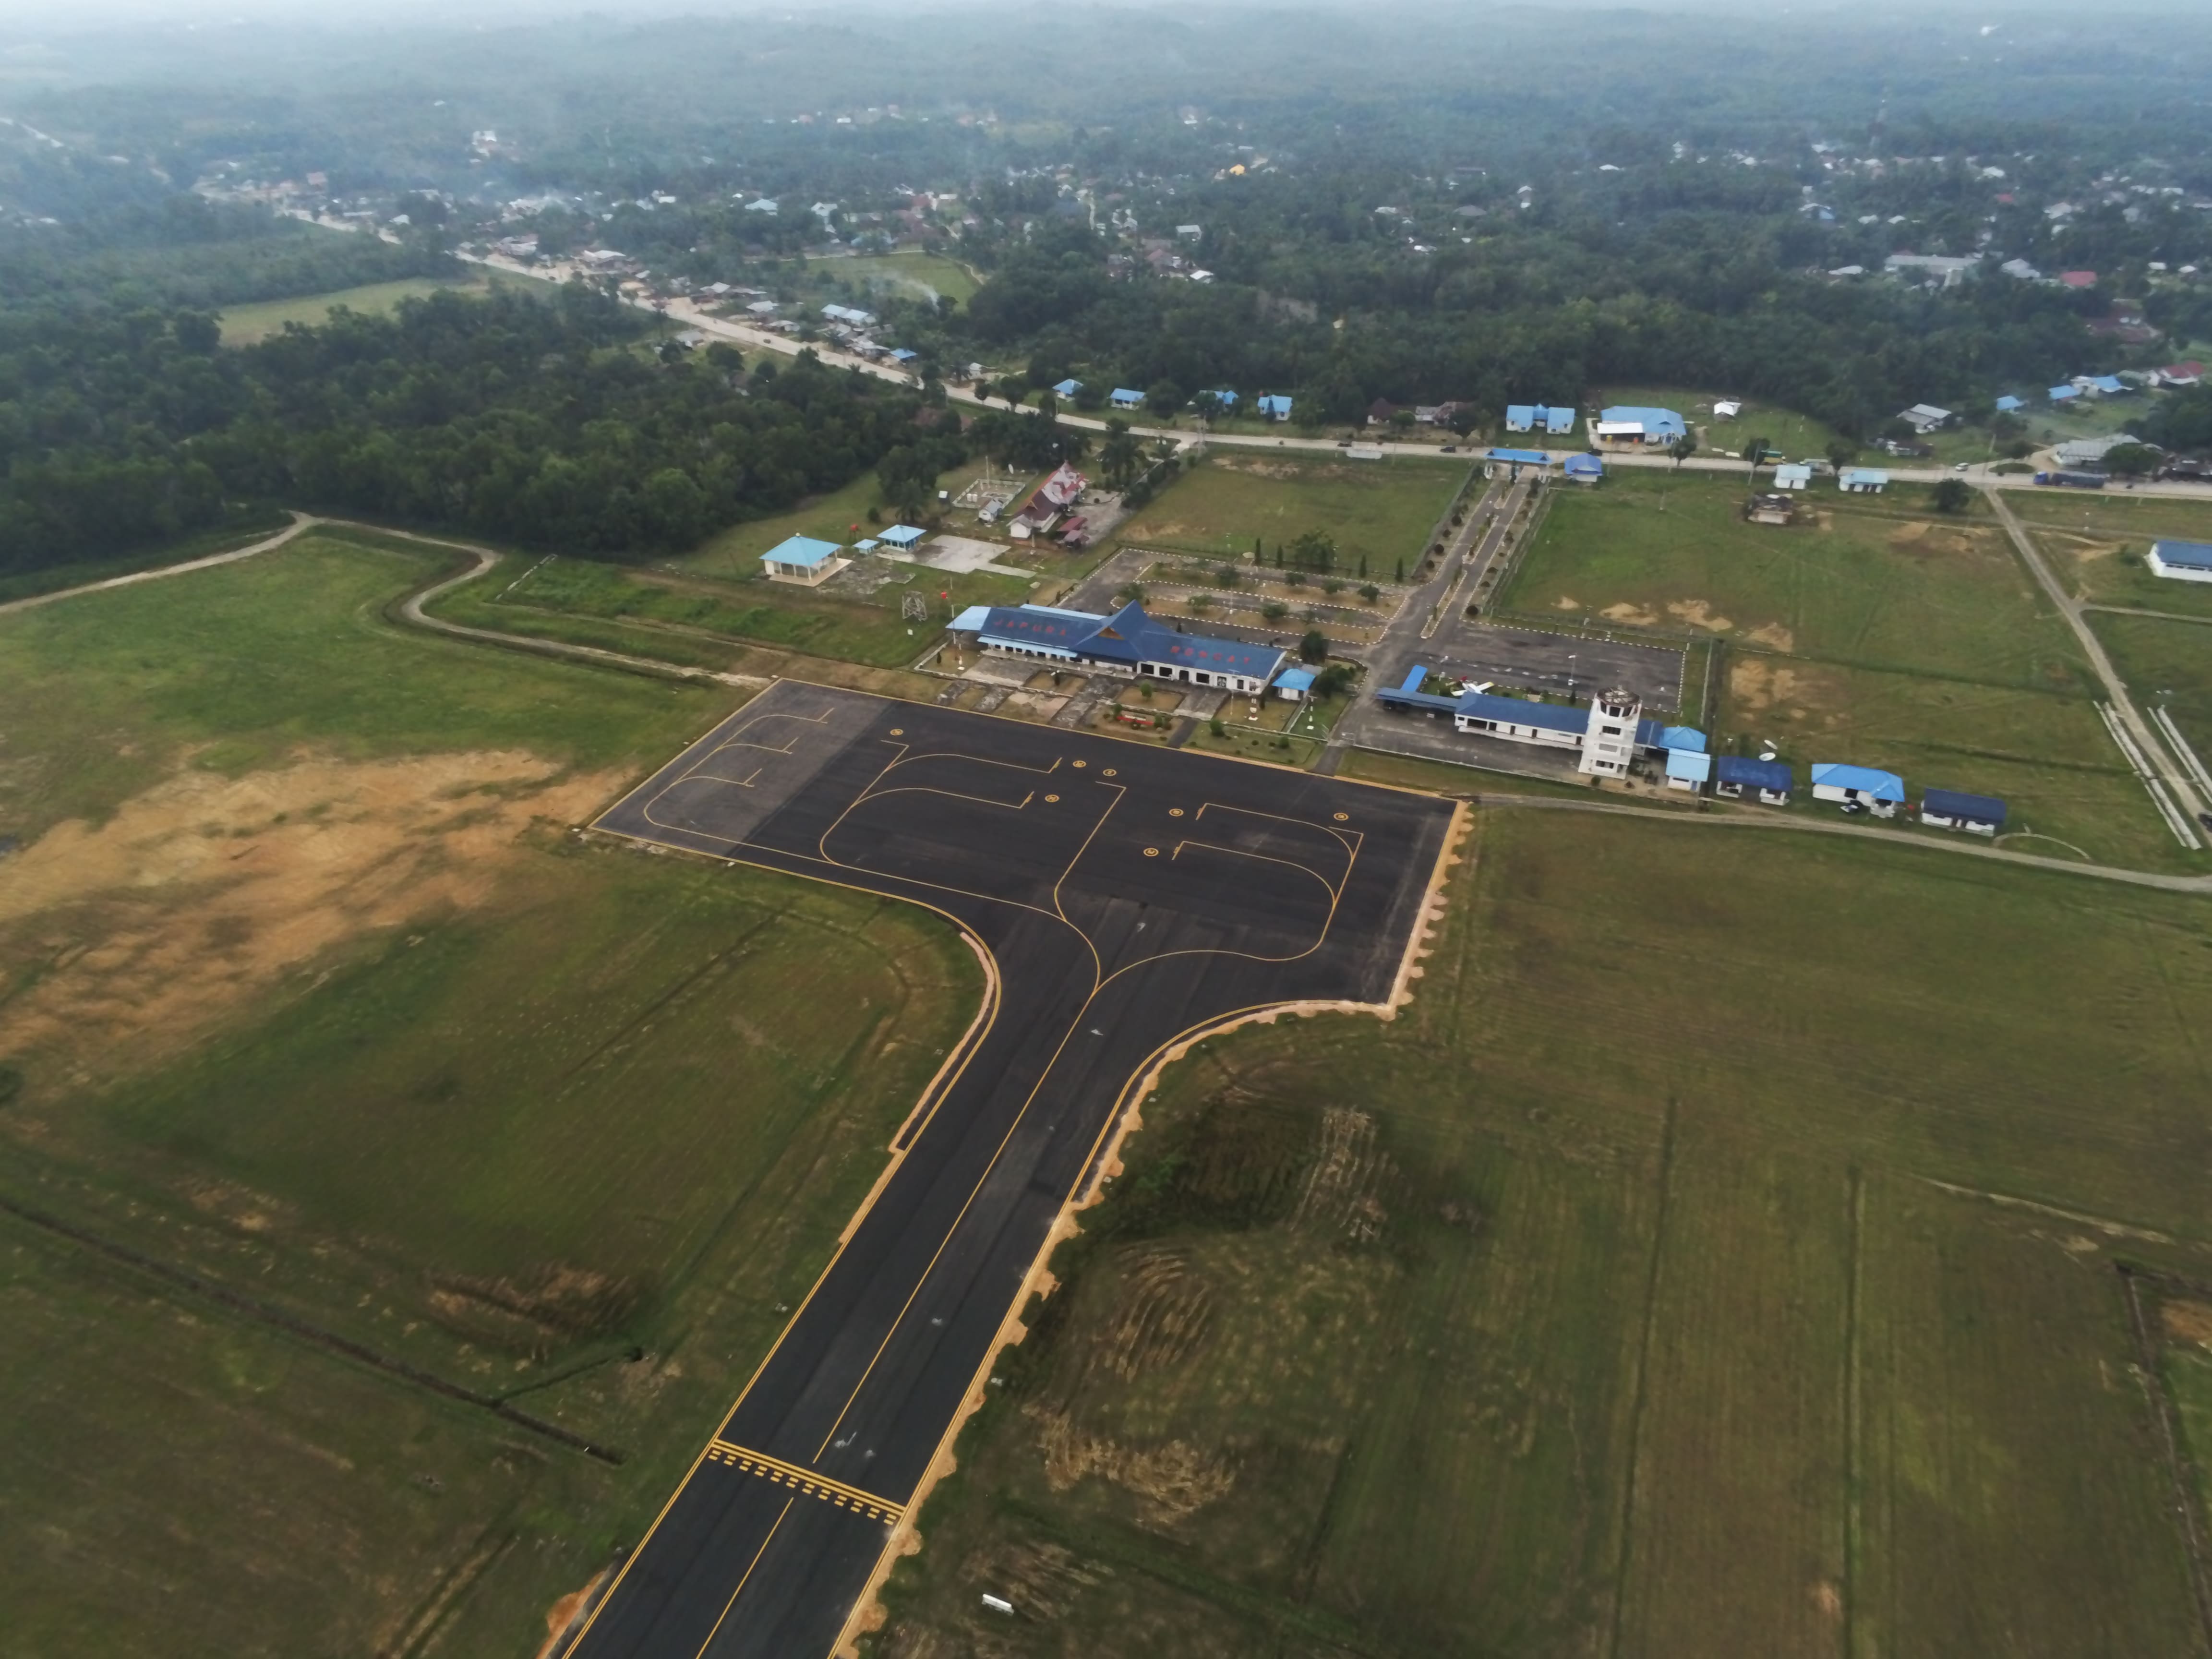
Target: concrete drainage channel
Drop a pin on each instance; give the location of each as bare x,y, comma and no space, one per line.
2176,819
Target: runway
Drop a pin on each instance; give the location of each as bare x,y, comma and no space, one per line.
1127,896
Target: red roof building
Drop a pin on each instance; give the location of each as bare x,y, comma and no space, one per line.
2078,278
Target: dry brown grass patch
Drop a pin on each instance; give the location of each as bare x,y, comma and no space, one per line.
141,933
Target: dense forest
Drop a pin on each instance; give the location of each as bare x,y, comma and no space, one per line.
549,423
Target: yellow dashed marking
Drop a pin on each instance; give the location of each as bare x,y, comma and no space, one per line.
816,1487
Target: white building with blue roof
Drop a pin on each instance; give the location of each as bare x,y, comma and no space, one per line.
1538,418
1124,396
2181,562
1634,426
1880,793
1128,642
803,560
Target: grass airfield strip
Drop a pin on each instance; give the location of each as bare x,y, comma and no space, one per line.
1127,896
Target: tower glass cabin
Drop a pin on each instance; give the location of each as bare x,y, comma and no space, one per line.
1609,740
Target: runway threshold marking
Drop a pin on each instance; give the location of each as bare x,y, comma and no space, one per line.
806,1481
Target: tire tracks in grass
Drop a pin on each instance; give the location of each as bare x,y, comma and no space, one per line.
1640,1393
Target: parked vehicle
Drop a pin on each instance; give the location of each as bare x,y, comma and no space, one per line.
2072,480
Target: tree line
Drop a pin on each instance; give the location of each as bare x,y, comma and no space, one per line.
557,422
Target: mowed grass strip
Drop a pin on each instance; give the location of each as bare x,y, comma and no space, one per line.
2013,1496
1870,584
1378,511
1574,1371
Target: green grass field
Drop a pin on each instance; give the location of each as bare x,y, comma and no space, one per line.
910,273
1381,511
2097,542
682,618
1669,1279
1876,584
246,324
2168,664
306,989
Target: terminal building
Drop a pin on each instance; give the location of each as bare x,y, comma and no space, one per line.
1605,736
1128,642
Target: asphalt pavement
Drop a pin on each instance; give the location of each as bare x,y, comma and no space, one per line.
1128,897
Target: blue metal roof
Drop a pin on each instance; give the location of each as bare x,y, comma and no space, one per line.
1689,764
974,620
1950,803
802,550
2190,555
1882,786
2108,383
1295,679
1512,711
1275,406
1870,475
1521,456
2059,394
903,535
1522,416
1662,421
1127,637
1756,774
1682,737
1123,398
1414,676
1557,419
1226,396
2007,404
1584,466
1067,388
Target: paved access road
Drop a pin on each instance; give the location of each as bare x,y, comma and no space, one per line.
1127,896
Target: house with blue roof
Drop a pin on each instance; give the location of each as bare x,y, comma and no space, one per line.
1863,481
1538,418
1880,793
1067,388
1295,684
1274,408
1221,395
903,535
803,560
2009,404
1948,809
1122,396
2101,386
2181,562
1128,642
1583,469
2064,394
1767,781
1633,426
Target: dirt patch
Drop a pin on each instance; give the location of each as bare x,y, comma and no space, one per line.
1566,602
1773,636
2187,1321
2088,552
1906,534
1758,686
1341,1196
1698,613
1634,615
140,932
1160,1316
1173,1478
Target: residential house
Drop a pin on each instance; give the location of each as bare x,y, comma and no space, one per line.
1925,418
2180,376
1688,769
1863,481
2064,394
1066,388
1628,426
1124,396
1793,475
1273,408
2009,404
2077,278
